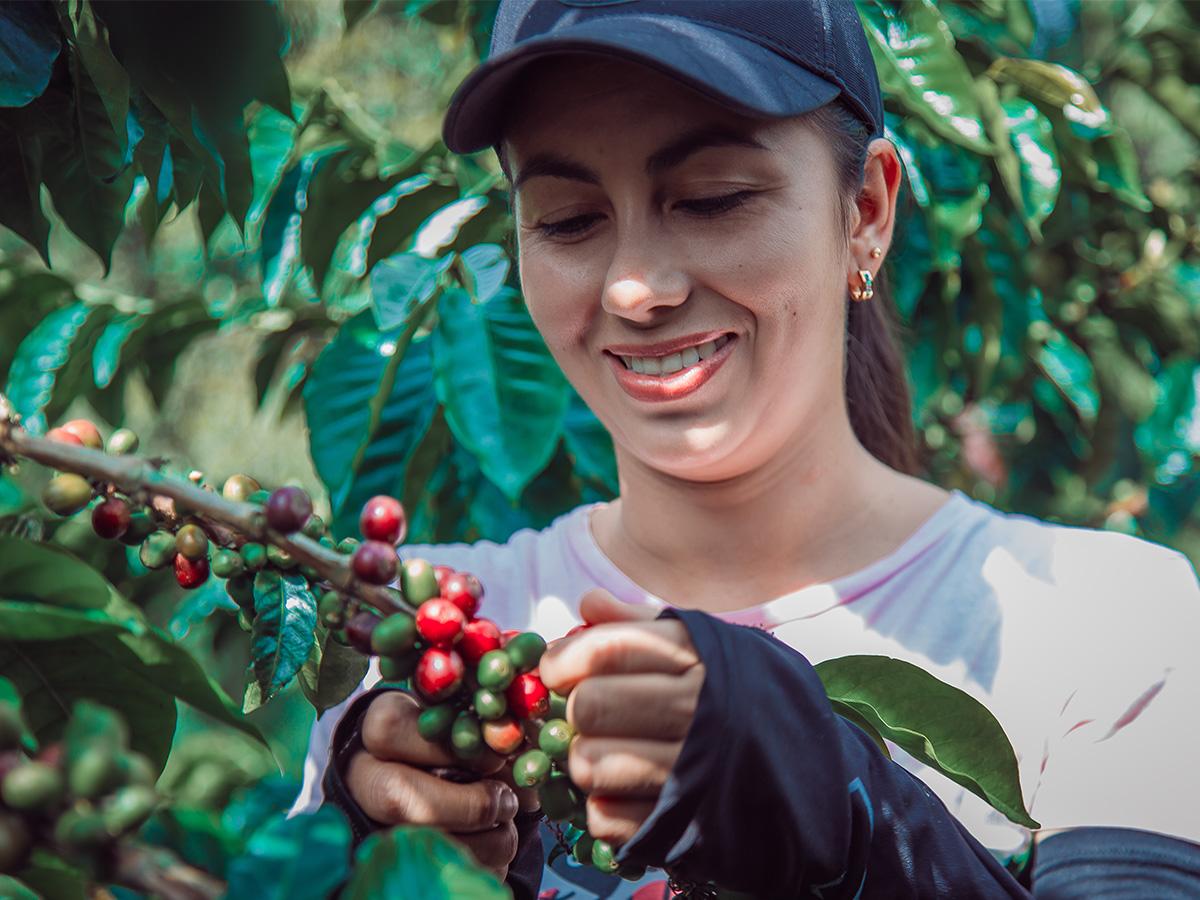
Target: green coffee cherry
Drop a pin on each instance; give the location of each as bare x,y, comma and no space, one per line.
280,558
490,705
122,442
398,668
66,494
137,769
226,563
80,831
33,787
141,526
191,541
418,581
157,550
313,527
347,545
531,768
466,738
582,851
395,635
94,773
555,738
495,670
434,723
604,857
558,706
558,798
128,808
525,650
332,609
254,555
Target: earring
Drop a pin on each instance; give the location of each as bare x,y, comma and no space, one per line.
867,291
876,252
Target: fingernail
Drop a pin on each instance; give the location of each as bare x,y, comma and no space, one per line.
508,805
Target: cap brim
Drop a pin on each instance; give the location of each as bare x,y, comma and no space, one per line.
730,69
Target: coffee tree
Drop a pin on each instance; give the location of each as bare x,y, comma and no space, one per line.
1045,267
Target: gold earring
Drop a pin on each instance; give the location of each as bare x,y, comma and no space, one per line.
876,252
867,291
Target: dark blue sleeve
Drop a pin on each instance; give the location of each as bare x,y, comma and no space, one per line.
1117,863
775,795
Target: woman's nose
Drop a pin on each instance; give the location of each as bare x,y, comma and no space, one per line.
644,280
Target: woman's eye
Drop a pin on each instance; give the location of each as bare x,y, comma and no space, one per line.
712,206
567,227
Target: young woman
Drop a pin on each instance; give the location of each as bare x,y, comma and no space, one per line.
703,203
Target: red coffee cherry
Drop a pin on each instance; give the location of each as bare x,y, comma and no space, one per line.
382,519
375,562
441,573
439,674
359,630
87,432
480,636
528,697
288,508
464,591
110,519
62,436
190,573
504,735
440,622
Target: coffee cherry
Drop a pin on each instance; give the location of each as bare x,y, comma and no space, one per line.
525,650
67,494
503,735
122,442
239,488
531,768
110,519
558,797
254,555
382,519
464,591
240,588
226,563
14,843
434,722
439,674
359,629
332,610
157,550
417,581
137,769
399,668
375,562
555,739
314,527
395,635
558,706
528,697
604,857
480,636
466,738
128,808
62,436
190,573
192,542
441,573
33,787
88,434
96,772
582,851
259,497
80,831
288,508
495,670
280,558
348,545
489,704
440,622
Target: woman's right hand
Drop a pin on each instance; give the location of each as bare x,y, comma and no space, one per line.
387,780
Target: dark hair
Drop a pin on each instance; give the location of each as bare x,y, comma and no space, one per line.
877,396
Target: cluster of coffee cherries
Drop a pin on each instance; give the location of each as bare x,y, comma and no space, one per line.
78,796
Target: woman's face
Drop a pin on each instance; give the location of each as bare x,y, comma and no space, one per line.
683,263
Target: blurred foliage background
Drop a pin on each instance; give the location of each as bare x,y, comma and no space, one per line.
233,229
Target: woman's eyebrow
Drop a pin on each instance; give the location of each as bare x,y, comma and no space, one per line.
555,165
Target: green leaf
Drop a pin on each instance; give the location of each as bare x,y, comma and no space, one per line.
401,221
486,267
400,283
104,87
29,45
303,857
285,617
103,142
1060,90
1071,370
504,395
936,723
39,358
106,355
196,835
38,572
418,862
15,890
52,877
331,672
918,64
21,186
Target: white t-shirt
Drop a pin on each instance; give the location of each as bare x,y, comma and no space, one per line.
1082,643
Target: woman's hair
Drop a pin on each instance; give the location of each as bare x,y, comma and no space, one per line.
877,395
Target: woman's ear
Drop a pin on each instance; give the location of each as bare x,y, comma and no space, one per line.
876,202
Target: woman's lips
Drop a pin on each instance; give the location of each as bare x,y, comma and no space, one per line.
659,388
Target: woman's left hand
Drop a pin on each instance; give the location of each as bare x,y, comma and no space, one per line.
632,684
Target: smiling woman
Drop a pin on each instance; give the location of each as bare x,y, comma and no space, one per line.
704,199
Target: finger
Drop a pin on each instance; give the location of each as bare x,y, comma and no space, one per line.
598,607
389,732
641,706
493,849
396,794
619,647
614,819
621,767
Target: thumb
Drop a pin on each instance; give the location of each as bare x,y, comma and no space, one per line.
598,607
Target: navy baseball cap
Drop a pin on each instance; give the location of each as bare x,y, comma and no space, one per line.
759,57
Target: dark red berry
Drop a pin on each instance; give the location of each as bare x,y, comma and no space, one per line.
439,674
288,508
382,519
190,573
375,562
464,591
440,622
527,697
441,573
110,519
359,629
480,636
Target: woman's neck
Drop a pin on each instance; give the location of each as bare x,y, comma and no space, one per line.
808,517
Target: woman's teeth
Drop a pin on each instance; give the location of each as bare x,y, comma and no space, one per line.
669,365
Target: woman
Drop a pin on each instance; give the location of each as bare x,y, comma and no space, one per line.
703,201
